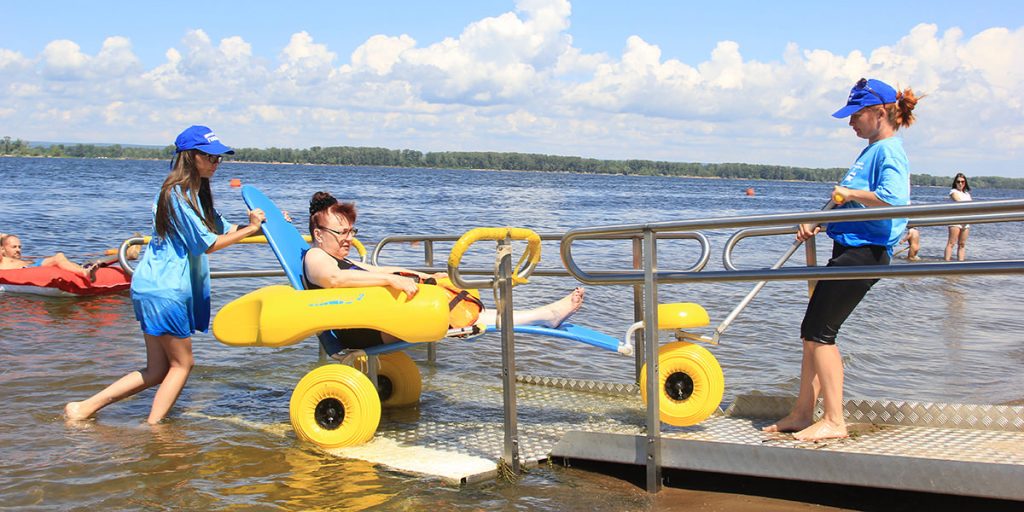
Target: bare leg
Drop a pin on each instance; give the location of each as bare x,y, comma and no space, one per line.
961,253
179,357
802,415
552,315
60,261
829,366
954,235
915,245
154,372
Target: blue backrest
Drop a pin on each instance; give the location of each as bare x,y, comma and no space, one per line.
284,239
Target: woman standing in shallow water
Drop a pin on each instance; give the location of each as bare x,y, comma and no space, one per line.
879,177
171,286
960,191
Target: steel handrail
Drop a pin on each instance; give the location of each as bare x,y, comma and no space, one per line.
636,277
742,234
122,258
428,240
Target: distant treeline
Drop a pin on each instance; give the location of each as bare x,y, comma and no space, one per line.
344,155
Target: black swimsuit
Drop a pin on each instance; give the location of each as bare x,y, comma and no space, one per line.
336,340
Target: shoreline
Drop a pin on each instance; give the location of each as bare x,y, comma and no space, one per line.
684,176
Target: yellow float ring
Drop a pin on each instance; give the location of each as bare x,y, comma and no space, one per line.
690,381
335,406
398,380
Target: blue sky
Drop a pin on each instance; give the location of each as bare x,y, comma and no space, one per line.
683,81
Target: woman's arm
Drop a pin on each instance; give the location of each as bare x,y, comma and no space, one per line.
400,270
322,269
235,234
864,197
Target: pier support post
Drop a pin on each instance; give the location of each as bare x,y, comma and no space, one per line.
508,356
652,453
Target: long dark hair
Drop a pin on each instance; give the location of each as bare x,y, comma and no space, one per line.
194,188
967,187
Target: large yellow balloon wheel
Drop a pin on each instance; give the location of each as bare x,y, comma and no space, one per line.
335,406
398,379
691,383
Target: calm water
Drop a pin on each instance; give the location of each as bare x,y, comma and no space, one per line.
930,339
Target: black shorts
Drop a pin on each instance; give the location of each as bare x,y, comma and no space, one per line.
832,300
337,340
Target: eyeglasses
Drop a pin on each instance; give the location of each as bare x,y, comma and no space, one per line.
213,159
960,181
345,233
863,84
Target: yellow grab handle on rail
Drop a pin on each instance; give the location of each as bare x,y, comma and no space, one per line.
474,235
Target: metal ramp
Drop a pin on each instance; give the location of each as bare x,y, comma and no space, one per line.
956,449
457,435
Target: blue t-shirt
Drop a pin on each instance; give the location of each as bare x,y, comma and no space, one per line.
173,277
882,168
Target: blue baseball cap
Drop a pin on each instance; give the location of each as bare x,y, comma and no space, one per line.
865,94
201,138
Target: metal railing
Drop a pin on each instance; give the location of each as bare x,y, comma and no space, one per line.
428,245
122,259
649,277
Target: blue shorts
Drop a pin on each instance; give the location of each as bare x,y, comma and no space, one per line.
160,316
38,263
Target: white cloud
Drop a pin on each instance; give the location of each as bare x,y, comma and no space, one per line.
515,82
305,62
64,60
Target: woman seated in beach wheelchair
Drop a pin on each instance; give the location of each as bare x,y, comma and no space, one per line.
359,310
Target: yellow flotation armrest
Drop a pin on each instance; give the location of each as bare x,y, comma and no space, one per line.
532,254
682,315
280,315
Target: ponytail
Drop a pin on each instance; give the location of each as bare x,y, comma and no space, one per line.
901,113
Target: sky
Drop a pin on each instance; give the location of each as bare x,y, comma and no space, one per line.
744,81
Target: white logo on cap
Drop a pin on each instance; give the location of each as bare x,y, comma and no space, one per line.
210,137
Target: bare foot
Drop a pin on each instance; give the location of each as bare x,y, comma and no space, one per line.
565,307
822,430
89,271
73,411
791,423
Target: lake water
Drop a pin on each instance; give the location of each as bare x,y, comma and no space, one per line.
929,339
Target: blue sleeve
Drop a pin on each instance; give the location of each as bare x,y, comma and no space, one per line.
190,227
222,224
893,182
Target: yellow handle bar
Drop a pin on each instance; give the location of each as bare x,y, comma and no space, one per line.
532,254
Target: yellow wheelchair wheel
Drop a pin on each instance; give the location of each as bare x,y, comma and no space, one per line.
398,380
335,406
691,384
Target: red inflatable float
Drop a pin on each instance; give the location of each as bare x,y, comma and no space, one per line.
57,282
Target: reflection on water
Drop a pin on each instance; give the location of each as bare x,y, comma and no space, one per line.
228,445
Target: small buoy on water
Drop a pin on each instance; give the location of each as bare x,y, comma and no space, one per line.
235,183
750,191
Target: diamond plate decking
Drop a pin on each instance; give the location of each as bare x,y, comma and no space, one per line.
974,450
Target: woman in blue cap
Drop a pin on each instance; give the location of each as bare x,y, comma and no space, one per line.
171,286
879,177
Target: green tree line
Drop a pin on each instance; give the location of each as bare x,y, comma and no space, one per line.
367,156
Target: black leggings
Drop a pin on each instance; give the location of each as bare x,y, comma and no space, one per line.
833,301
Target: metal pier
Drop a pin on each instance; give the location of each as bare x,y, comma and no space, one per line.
457,435
956,449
